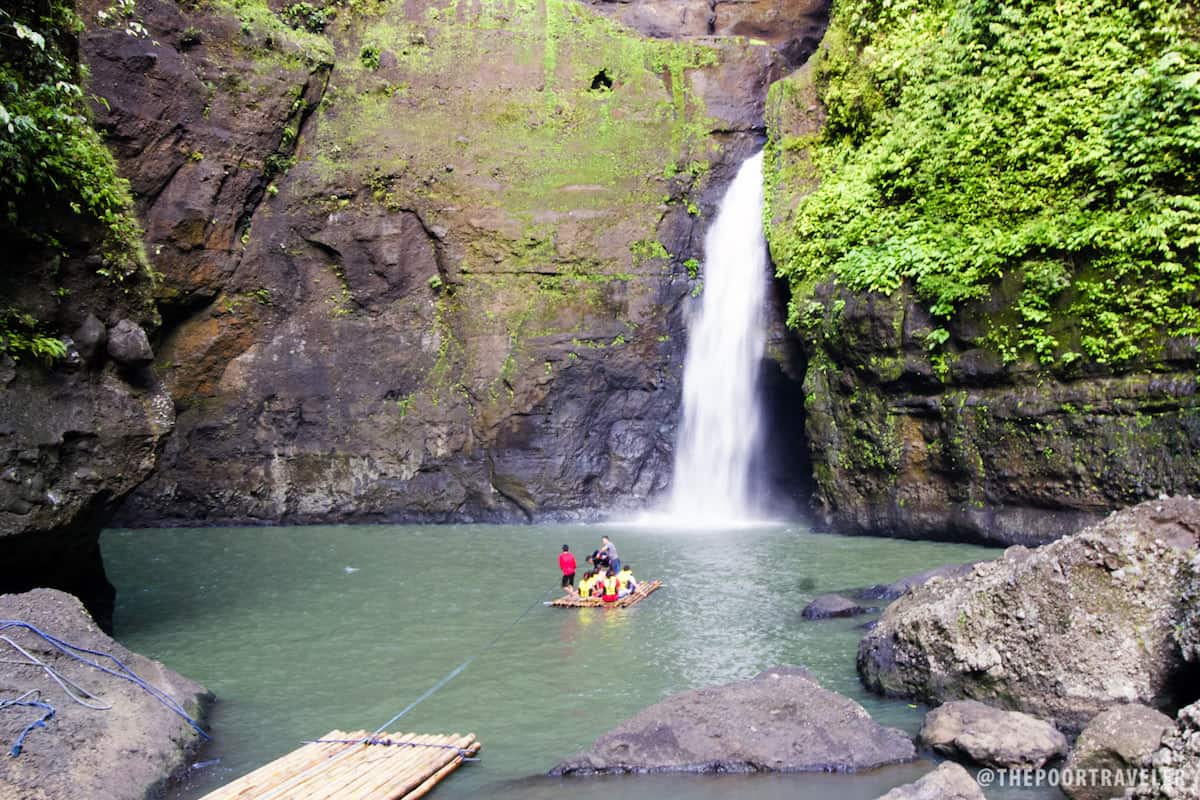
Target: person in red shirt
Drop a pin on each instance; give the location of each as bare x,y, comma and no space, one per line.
566,562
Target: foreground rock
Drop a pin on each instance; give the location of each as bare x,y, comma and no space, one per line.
1175,774
781,720
831,605
893,590
985,735
1115,742
1065,631
948,782
125,753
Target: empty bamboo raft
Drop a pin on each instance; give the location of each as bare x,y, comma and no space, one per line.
397,766
644,590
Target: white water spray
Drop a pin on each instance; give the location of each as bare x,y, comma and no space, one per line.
721,419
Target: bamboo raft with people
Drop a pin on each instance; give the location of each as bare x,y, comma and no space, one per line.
643,591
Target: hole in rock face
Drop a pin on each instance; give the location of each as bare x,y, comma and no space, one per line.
602,82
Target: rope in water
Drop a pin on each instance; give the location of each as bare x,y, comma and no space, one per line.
451,675
122,671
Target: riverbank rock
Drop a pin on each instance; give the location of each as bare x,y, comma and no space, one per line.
948,782
128,752
1065,631
990,736
781,720
1114,742
1175,774
890,591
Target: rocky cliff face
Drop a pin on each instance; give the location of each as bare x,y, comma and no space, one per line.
425,260
82,413
959,441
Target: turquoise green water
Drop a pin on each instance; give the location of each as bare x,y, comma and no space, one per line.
302,630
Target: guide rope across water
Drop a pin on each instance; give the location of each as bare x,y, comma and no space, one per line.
375,738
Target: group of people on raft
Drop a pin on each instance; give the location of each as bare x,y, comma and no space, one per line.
609,579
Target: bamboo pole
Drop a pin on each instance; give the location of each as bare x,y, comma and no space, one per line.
437,777
330,784
275,772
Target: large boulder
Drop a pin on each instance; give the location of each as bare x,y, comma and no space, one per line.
780,720
1114,744
948,782
1064,631
1175,771
990,736
127,752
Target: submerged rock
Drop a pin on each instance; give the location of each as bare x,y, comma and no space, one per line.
831,605
1064,631
893,590
948,782
781,720
1114,742
990,736
127,752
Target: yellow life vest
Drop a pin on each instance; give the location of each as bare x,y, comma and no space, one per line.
624,576
585,587
610,585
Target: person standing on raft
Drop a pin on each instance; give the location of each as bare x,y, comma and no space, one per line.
566,562
608,553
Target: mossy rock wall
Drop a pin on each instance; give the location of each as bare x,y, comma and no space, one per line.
428,261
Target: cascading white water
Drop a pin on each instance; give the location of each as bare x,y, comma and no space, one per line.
721,418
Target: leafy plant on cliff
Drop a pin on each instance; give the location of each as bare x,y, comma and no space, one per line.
54,168
1054,147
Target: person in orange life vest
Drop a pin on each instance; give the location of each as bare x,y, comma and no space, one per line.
611,585
566,562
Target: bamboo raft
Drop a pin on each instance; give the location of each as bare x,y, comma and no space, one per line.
644,590
395,766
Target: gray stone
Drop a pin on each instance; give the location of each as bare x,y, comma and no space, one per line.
1065,631
128,344
890,591
125,753
948,782
990,736
1175,770
831,605
1118,740
781,720
90,338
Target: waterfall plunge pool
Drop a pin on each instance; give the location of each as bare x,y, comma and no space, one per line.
301,630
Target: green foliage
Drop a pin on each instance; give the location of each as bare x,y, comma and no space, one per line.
20,335
53,165
1054,146
369,56
307,17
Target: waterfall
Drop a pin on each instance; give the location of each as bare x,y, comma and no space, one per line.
721,427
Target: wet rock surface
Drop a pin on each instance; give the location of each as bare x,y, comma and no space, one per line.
781,720
422,290
966,729
893,590
1115,742
831,605
128,752
1064,631
948,782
